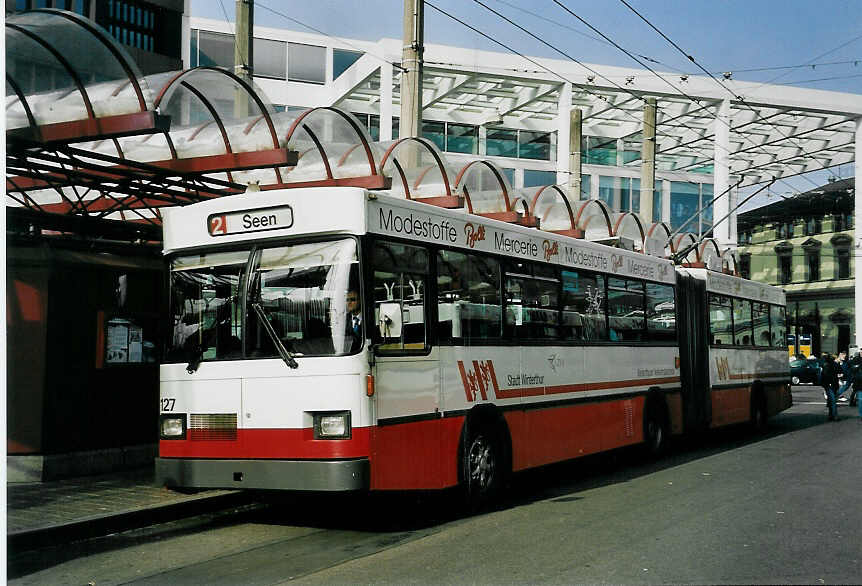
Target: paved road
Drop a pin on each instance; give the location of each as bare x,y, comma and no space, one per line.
728,508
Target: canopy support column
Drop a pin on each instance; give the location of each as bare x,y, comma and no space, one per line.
721,176
386,102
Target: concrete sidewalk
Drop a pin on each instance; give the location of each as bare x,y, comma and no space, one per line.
42,513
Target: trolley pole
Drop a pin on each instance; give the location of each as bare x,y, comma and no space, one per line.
412,64
243,53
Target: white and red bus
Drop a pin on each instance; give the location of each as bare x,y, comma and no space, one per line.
486,347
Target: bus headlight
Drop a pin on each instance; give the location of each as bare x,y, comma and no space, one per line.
172,426
332,425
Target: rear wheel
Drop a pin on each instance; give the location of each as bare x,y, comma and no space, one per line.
656,429
481,466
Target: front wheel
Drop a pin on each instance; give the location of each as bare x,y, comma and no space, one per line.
481,467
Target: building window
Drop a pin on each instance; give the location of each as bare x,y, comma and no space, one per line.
501,142
371,123
270,58
342,60
451,137
745,266
585,187
534,145
132,22
842,263
306,63
522,144
599,151
213,50
534,178
684,203
813,225
785,269
812,265
462,138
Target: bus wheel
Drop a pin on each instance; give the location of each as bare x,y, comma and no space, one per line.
758,411
656,429
482,467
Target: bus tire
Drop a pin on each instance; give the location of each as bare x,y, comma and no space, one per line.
656,427
482,465
759,414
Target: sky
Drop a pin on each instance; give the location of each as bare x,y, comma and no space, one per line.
811,44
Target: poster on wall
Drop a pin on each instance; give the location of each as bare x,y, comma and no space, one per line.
124,342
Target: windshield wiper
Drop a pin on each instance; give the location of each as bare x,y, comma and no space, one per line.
288,357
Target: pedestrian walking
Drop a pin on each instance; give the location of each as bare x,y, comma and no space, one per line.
829,381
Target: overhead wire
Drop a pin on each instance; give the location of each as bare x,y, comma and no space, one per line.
320,32
738,97
556,49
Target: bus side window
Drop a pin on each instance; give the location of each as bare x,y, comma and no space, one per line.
400,281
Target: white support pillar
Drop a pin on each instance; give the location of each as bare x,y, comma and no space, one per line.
721,177
857,220
564,108
386,102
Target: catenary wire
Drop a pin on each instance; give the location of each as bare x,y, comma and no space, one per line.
731,92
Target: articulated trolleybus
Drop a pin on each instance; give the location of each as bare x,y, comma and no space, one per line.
337,339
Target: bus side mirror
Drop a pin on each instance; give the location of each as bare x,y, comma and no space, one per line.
389,320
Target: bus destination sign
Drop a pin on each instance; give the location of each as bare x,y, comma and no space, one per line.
243,222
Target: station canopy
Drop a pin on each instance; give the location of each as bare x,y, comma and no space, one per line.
90,139
772,131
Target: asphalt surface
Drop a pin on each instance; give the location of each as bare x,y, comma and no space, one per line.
728,507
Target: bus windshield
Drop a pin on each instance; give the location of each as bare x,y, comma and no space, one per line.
302,290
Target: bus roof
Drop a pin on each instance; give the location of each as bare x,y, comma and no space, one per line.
738,287
348,210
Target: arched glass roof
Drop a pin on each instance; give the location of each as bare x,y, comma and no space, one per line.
60,67
551,208
658,240
419,172
487,193
334,149
628,225
593,219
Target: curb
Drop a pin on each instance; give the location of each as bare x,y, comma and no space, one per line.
29,539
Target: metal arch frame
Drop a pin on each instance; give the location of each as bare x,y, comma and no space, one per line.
572,230
62,61
462,176
249,90
622,217
356,128
447,201
701,249
23,99
108,43
592,203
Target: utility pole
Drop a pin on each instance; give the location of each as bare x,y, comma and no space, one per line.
412,64
243,53
648,161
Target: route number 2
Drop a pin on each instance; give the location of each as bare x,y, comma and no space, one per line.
218,225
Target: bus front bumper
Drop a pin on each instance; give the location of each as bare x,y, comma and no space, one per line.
312,475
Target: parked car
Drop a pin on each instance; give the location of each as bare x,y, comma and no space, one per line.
804,371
